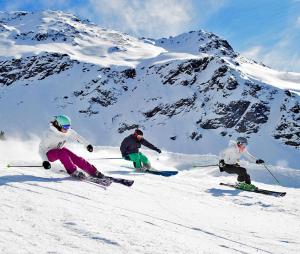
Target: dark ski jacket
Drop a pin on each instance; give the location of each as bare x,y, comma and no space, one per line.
131,145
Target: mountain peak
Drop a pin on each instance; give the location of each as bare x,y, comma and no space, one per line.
196,42
42,26
58,32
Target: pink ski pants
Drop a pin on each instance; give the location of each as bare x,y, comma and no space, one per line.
70,160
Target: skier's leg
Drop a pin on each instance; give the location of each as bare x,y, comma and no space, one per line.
230,169
242,174
81,163
63,156
240,171
145,161
135,158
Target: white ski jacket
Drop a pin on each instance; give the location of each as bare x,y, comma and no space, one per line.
55,139
232,154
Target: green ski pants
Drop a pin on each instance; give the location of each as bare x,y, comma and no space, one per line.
138,159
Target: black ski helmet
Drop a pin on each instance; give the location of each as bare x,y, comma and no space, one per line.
242,141
138,132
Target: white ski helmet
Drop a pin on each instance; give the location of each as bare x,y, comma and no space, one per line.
241,141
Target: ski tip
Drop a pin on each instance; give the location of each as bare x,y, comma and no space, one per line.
8,165
130,184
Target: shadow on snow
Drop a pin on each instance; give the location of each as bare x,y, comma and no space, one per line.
29,178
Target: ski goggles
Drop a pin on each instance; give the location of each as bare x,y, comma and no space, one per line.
66,126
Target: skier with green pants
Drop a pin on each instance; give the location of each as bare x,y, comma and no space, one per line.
130,150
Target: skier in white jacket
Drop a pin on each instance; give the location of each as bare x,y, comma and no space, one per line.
52,148
229,159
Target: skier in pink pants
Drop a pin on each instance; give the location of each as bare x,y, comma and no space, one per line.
51,148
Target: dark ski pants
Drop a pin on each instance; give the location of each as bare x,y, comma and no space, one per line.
240,171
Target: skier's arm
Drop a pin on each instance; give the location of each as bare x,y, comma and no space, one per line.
42,153
149,145
249,157
75,136
42,148
123,148
221,159
222,155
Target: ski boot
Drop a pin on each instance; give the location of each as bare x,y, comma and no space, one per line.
246,186
141,169
98,174
78,174
144,168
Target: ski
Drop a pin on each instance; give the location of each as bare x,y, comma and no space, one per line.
161,173
101,181
152,171
123,181
258,190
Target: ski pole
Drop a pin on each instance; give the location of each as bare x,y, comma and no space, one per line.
23,166
203,166
107,158
271,174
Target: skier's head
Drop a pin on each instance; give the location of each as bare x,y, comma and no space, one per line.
241,141
62,123
138,134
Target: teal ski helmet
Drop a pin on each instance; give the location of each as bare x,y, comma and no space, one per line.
63,121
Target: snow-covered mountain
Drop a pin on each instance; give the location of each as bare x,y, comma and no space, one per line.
190,93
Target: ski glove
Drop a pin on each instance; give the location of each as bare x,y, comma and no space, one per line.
221,163
158,150
126,157
90,148
46,165
260,161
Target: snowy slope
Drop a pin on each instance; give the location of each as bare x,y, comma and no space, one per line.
283,80
48,212
24,33
190,93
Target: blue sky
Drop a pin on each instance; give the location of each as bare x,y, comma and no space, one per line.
264,30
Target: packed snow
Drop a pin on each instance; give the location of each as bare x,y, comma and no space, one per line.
46,211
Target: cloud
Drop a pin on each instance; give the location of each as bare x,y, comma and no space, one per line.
23,5
153,18
14,5
298,22
252,53
209,8
284,55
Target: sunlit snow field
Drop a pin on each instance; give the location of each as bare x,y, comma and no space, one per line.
46,211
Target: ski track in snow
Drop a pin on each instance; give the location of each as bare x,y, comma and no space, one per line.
46,211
